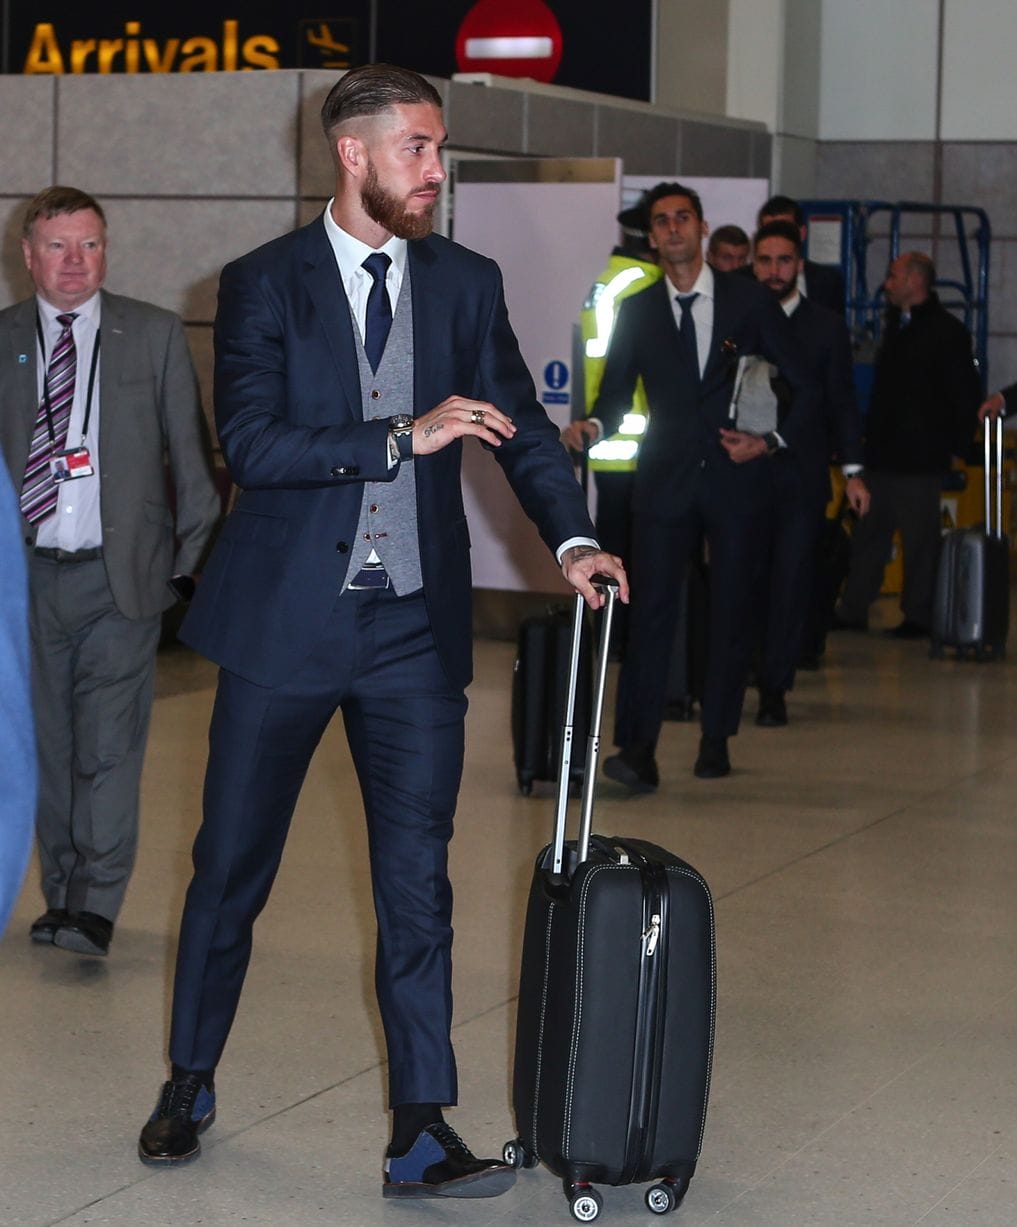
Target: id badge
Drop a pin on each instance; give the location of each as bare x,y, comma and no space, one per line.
71,463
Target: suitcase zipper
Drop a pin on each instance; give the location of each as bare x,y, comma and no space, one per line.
642,1133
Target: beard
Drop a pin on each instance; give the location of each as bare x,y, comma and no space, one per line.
391,213
782,289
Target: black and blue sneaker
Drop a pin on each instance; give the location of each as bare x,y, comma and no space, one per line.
440,1164
185,1109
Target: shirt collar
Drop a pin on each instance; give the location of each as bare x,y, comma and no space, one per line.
89,310
790,305
350,253
703,284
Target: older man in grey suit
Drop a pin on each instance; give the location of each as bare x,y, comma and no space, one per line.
95,392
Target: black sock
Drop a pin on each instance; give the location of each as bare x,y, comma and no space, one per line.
408,1120
206,1076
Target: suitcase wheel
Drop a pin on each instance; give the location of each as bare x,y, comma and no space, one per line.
516,1155
525,785
584,1202
664,1197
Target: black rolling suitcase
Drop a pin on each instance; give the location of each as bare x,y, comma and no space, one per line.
614,1037
539,691
971,612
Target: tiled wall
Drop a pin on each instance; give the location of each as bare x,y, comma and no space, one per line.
196,169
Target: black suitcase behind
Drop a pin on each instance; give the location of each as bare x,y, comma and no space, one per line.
971,611
614,1037
539,686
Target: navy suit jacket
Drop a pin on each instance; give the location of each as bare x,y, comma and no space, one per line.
824,286
288,410
686,413
823,343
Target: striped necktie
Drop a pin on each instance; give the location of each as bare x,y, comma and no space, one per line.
39,490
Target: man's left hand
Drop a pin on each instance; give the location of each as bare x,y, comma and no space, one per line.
581,563
742,447
858,496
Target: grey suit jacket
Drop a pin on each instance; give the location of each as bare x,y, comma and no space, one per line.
149,410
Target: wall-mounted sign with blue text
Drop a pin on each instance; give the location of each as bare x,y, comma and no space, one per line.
556,378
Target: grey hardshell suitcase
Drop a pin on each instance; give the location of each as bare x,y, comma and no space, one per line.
614,1037
971,612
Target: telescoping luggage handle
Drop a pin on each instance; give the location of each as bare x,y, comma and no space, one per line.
994,426
610,590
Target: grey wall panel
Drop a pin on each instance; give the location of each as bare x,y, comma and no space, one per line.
170,252
481,117
983,174
199,340
553,125
871,170
647,143
762,155
795,166
202,134
712,149
15,283
316,174
27,162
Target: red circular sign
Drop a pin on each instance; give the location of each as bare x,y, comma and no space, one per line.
512,38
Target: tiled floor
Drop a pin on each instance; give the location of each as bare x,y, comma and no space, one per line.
864,863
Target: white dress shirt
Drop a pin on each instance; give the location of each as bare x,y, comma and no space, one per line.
76,524
702,310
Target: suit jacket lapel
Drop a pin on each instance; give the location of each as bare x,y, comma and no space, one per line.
325,287
114,334
721,320
21,391
430,311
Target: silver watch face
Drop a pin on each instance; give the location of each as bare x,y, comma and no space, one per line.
402,421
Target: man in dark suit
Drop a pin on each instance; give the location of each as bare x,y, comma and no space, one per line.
351,359
822,284
800,476
697,474
95,392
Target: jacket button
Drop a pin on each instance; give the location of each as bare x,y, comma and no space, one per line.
375,394
341,547
336,473
374,508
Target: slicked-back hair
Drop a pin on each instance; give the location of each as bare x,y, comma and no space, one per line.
731,234
672,189
56,200
780,229
371,89
781,206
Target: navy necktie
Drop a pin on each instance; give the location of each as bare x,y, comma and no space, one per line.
379,309
687,331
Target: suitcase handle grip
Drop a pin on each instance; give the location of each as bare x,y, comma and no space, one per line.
610,590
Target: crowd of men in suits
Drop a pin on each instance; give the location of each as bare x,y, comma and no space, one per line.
757,497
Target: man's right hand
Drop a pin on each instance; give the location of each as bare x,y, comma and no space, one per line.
455,417
992,408
579,435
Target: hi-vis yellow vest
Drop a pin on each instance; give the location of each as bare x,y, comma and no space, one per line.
623,276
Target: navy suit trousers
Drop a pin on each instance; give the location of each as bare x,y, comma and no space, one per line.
405,727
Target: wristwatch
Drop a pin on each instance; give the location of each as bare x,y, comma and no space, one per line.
400,430
857,473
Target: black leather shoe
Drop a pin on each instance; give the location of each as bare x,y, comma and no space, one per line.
635,767
85,933
713,761
440,1164
44,929
185,1109
772,712
907,630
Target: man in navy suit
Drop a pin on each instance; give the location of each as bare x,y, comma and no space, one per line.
800,476
697,474
822,284
353,357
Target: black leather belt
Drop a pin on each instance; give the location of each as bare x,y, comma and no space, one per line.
68,555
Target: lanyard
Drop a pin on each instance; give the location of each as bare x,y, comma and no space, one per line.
45,383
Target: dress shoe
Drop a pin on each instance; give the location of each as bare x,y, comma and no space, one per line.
85,933
44,929
713,761
635,767
440,1164
907,630
772,712
837,623
185,1109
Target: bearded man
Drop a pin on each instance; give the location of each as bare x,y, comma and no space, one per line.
353,357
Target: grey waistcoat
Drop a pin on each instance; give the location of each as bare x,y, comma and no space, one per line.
388,510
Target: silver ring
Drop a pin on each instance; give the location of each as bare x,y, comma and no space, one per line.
477,417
